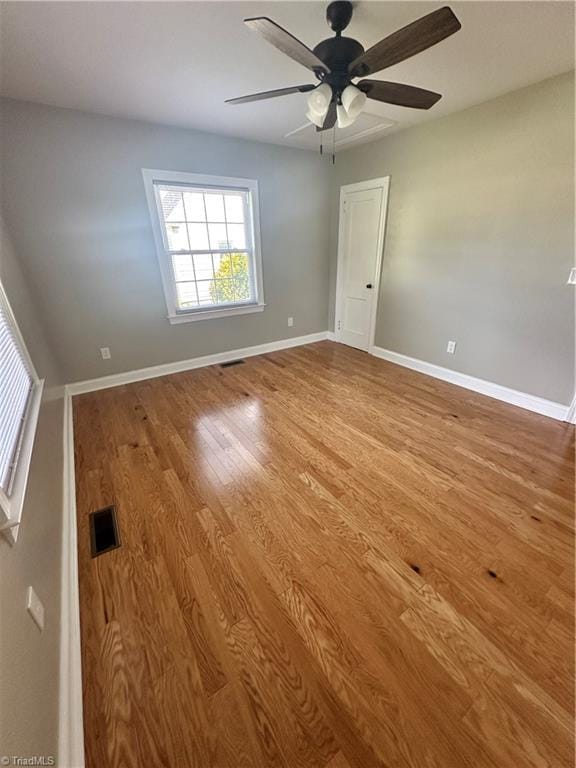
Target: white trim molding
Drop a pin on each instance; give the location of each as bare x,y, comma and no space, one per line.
489,388
382,183
253,246
116,380
571,415
71,722
214,314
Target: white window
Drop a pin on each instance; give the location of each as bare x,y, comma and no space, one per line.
207,235
20,395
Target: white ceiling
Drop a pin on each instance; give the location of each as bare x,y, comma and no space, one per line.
176,62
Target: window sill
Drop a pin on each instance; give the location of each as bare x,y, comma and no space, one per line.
191,317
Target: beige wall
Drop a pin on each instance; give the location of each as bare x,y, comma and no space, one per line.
24,303
30,659
75,204
480,239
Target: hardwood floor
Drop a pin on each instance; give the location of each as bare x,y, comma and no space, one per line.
326,560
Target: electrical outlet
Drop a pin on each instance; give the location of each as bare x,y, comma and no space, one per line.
290,322
35,608
105,352
451,348
572,277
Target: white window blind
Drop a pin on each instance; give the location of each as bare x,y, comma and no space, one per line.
16,386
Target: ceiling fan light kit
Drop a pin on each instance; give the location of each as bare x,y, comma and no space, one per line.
343,119
319,104
315,119
339,60
352,101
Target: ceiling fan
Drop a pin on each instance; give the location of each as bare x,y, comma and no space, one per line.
338,61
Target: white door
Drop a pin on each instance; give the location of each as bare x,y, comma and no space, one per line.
360,244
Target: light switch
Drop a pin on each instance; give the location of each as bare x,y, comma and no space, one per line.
35,608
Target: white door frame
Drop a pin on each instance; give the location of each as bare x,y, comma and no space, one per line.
383,183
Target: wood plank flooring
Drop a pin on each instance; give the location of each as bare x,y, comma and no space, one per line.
327,561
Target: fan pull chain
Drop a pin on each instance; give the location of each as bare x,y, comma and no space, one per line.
333,153
334,146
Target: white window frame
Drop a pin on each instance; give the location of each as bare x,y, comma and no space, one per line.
151,179
11,504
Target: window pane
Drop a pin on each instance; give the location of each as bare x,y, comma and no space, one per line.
222,291
241,273
232,278
172,205
222,266
205,292
236,236
218,236
203,266
183,267
198,237
186,293
214,206
237,266
242,289
234,208
177,237
240,264
194,205
227,282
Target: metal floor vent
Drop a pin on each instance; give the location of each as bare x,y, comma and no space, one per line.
104,533
231,362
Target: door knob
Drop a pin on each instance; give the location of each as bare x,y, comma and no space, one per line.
368,285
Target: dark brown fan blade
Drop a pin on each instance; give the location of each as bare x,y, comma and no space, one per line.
286,43
406,42
398,93
330,119
271,94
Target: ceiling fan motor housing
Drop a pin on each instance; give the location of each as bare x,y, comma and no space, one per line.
338,15
337,53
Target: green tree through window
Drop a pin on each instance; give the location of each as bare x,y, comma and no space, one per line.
232,281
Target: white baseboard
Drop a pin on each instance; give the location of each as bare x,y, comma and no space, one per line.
71,728
331,336
571,415
497,391
116,380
